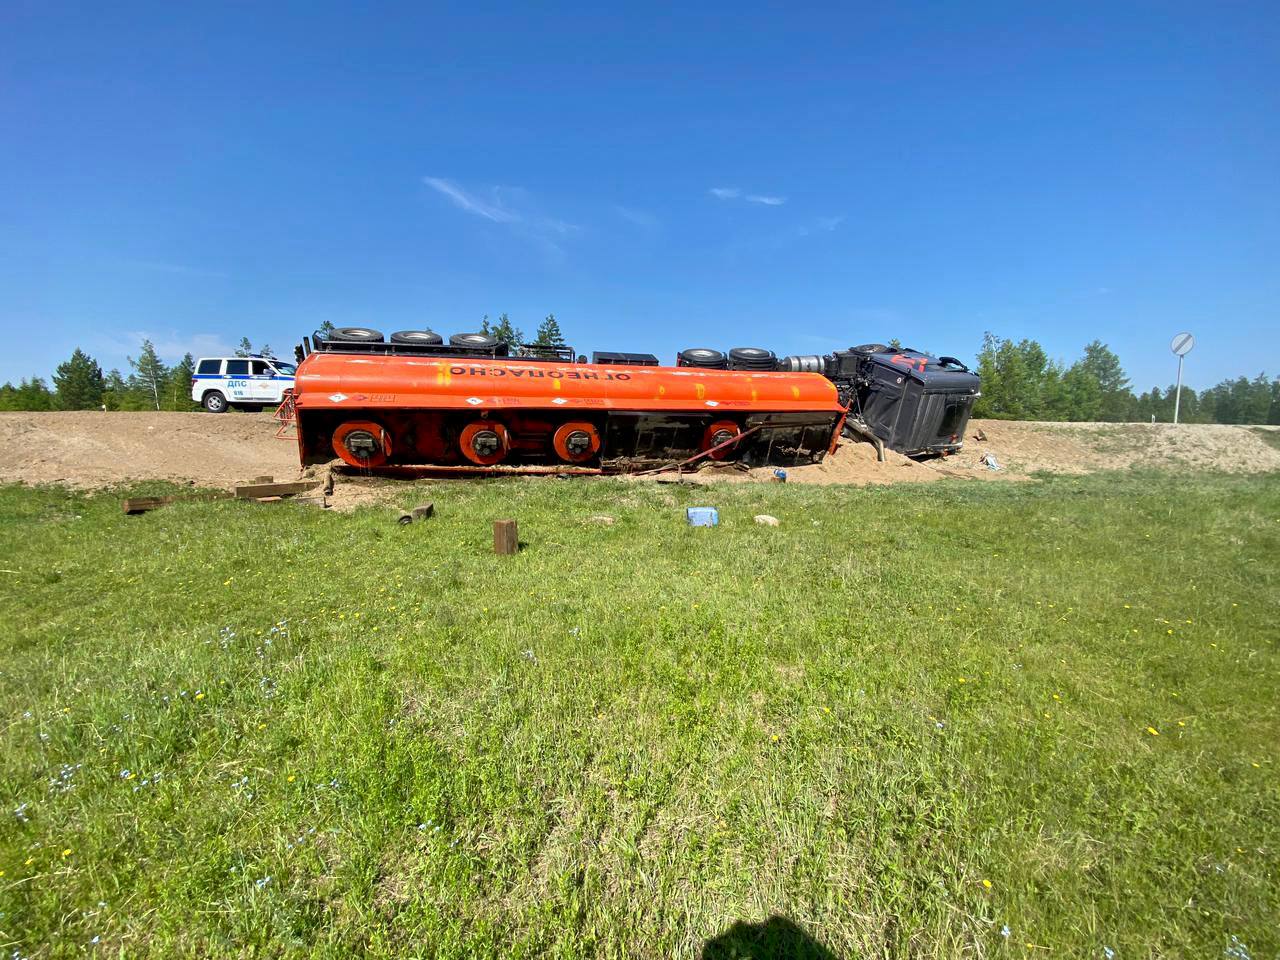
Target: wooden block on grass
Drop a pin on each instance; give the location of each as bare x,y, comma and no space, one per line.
252,491
505,538
422,511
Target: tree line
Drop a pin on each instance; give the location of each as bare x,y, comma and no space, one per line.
1021,382
80,384
504,331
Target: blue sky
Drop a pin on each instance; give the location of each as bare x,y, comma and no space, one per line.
801,178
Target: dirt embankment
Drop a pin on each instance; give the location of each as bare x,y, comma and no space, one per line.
92,449
95,449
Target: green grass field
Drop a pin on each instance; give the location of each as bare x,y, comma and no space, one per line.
944,720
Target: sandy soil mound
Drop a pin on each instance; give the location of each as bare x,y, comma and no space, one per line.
94,449
1026,447
90,449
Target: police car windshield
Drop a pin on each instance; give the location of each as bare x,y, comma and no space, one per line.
286,368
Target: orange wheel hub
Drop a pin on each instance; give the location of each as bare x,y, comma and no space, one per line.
484,443
362,443
718,433
576,442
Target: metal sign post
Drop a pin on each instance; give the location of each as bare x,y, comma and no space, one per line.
1181,346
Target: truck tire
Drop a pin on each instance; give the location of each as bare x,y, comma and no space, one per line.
871,348
215,402
701,357
356,335
477,341
417,338
752,358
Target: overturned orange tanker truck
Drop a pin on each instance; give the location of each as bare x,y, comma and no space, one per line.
470,406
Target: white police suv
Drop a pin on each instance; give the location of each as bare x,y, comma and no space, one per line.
250,382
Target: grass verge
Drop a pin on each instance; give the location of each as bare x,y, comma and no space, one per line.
955,720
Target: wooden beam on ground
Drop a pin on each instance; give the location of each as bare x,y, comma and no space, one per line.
255,491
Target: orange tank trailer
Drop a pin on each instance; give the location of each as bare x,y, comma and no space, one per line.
376,410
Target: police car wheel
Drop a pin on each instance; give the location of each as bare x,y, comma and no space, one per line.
215,402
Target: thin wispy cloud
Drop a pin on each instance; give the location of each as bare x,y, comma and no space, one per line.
494,210
561,227
640,218
735,193
783,236
164,266
515,209
115,348
820,225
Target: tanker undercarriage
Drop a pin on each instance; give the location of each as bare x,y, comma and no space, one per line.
614,442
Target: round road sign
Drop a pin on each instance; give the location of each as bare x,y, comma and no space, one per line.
1182,344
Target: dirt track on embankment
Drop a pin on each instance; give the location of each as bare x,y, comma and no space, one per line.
93,449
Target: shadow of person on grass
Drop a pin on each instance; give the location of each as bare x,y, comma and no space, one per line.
775,939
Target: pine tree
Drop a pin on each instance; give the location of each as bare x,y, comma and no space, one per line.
149,374
30,394
245,347
115,391
504,332
1113,386
1084,396
78,382
179,387
549,334
27,395
325,329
